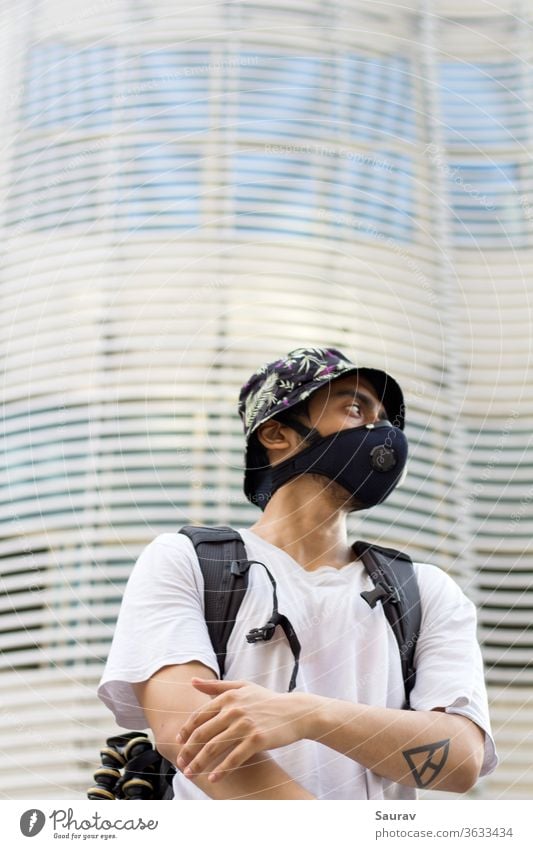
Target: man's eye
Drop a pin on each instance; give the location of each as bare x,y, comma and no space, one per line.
356,407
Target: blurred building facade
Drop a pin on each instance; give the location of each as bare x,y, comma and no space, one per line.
190,192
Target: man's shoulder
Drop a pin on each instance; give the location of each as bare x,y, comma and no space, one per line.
426,571
168,551
173,540
438,586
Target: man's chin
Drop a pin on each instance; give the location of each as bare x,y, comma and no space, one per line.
344,499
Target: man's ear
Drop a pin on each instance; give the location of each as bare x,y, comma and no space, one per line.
276,436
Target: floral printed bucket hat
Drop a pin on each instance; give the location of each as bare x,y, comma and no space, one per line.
277,386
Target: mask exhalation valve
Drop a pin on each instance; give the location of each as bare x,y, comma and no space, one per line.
383,458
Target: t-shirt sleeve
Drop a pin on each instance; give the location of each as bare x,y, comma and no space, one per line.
448,660
161,621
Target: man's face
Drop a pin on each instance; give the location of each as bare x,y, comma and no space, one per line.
346,402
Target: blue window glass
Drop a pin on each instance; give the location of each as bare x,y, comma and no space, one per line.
482,104
273,194
159,187
486,206
171,92
68,87
56,184
374,196
280,96
373,98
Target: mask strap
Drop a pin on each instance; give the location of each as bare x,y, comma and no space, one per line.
310,434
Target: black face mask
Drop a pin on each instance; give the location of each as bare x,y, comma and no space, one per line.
368,461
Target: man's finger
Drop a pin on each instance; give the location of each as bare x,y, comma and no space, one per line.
239,755
209,756
204,714
209,710
200,737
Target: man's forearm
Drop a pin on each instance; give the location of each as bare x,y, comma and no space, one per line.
168,699
417,748
259,778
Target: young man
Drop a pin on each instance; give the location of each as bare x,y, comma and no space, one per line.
324,438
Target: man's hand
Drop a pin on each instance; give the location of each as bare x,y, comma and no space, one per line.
168,699
244,720
241,720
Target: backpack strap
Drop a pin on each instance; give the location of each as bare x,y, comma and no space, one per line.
396,587
224,564
223,560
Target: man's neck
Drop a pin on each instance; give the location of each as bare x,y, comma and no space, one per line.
305,518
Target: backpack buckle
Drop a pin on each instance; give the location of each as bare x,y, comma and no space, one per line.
239,567
382,592
256,635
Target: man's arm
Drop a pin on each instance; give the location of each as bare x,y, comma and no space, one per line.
430,749
418,748
168,699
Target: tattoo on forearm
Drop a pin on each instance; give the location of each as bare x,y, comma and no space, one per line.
426,762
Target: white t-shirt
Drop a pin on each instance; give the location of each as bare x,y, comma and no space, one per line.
348,651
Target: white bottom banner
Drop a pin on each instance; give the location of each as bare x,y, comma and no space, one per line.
268,825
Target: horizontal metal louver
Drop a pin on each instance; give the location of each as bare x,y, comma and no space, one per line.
190,192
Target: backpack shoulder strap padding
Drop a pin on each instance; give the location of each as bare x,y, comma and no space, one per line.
394,578
223,560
